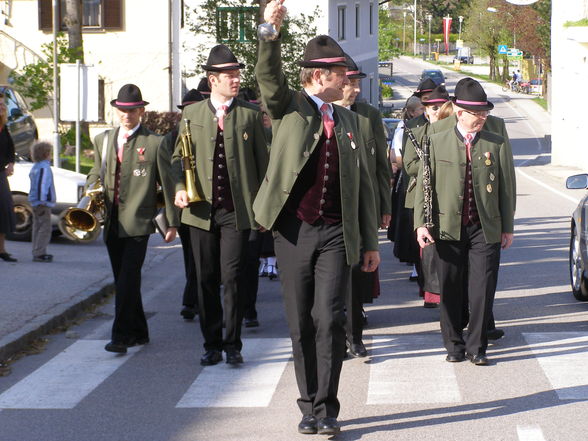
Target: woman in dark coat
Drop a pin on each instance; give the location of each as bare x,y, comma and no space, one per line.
7,222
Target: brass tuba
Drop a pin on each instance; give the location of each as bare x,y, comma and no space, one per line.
82,223
189,164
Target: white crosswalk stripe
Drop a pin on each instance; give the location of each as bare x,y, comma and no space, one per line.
66,379
411,369
563,356
251,384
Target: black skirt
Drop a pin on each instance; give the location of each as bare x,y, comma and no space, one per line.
7,221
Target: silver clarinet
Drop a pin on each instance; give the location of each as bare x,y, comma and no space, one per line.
427,183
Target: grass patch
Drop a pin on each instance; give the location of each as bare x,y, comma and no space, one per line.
570,24
69,163
541,101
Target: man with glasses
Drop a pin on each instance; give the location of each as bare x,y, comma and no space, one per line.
473,203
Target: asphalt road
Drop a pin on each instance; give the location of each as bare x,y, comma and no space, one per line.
535,389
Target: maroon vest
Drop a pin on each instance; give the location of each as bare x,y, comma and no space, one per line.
469,212
316,196
221,185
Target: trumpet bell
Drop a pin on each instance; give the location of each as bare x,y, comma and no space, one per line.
78,225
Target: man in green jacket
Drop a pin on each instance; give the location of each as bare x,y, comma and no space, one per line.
131,161
317,198
472,208
373,140
230,150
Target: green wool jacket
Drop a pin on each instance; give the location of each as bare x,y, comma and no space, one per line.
246,155
145,164
373,136
493,184
297,128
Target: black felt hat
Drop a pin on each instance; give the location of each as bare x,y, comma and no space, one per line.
470,95
221,58
425,86
192,96
438,95
353,71
323,51
129,97
203,87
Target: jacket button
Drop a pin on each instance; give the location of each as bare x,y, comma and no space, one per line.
209,178
320,212
317,136
286,192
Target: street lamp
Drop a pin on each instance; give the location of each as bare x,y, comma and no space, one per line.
429,17
514,31
404,33
414,13
460,20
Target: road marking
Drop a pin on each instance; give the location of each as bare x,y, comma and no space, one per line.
66,379
251,384
530,433
563,356
557,192
411,369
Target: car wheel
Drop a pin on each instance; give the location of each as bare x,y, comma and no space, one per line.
579,285
24,219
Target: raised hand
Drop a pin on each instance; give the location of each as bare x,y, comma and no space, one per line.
274,13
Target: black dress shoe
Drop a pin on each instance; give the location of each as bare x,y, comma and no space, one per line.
189,312
478,360
234,356
251,323
494,334
43,258
328,426
455,358
138,342
118,347
7,257
357,350
307,425
430,305
211,357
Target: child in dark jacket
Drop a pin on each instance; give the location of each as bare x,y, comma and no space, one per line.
42,198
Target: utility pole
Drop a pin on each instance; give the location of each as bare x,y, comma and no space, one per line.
56,146
404,33
429,17
460,20
414,48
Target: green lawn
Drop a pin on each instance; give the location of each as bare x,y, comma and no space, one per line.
69,163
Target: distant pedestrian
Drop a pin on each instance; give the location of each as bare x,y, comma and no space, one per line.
42,198
7,222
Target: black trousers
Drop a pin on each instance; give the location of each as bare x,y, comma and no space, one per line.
315,277
251,277
127,255
481,261
360,282
190,297
220,259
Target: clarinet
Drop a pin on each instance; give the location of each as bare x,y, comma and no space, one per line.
412,138
427,184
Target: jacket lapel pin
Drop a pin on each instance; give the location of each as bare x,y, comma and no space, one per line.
141,151
245,136
487,155
350,135
489,188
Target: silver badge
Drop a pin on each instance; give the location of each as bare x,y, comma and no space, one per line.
492,177
143,172
373,151
353,146
137,172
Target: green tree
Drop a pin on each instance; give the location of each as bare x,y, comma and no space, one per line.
234,23
35,80
389,36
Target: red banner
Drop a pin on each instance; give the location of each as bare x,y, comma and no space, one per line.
446,32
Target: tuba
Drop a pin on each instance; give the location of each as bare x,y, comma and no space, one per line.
82,223
189,164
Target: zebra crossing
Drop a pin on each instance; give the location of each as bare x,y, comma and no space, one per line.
399,368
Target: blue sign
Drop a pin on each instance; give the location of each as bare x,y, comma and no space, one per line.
502,49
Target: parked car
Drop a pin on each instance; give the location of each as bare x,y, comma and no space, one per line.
536,86
21,125
464,55
435,74
578,247
69,188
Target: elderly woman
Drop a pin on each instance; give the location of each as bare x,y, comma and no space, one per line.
7,223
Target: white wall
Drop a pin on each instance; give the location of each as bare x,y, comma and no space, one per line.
569,58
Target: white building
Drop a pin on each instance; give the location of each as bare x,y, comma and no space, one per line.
569,60
146,42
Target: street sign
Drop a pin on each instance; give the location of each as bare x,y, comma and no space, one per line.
513,52
502,49
521,2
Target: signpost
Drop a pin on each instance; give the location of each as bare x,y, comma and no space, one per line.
502,49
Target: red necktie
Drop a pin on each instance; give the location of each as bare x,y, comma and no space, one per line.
221,118
468,145
328,122
121,147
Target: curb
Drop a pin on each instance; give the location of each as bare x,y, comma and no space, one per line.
18,340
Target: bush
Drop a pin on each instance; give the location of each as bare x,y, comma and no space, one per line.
386,91
161,122
68,138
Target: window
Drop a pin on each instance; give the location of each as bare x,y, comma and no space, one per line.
96,14
357,21
236,24
341,23
371,19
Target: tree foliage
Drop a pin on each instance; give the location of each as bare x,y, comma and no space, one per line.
389,37
240,36
35,81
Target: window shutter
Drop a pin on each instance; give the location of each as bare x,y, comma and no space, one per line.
113,14
45,15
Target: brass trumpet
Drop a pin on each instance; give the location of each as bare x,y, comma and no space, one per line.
82,223
189,164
